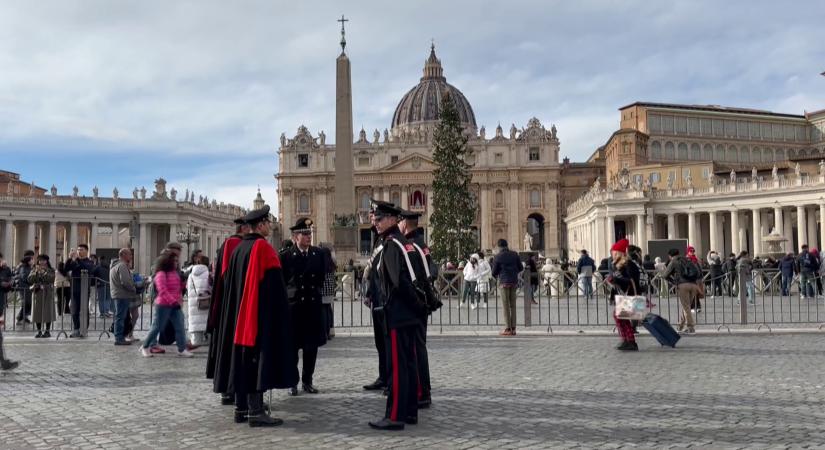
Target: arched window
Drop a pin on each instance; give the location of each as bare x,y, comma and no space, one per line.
535,198
670,151
499,199
683,151
395,198
656,150
719,153
708,152
418,200
744,155
303,203
365,202
695,152
730,155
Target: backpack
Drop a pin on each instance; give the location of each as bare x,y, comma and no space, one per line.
808,262
427,301
689,270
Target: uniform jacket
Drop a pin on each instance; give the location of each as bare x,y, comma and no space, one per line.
304,277
394,280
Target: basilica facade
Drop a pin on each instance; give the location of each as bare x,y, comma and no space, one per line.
519,184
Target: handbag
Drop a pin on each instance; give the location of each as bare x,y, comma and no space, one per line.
203,299
631,307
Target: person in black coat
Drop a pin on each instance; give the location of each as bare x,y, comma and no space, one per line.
787,267
304,272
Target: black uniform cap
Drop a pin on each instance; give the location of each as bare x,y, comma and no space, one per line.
303,225
256,215
407,214
384,209
239,221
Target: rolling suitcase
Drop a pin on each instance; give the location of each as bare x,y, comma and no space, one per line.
661,330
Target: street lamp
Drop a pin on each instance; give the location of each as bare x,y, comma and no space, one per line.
189,237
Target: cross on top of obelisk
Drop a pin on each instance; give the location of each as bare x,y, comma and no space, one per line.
343,33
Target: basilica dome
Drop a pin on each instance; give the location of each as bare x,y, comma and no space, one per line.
420,107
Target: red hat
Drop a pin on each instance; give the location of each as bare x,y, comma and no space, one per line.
691,249
620,246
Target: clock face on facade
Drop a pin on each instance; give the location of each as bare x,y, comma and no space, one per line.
303,141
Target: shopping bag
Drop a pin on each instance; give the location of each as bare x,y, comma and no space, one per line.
631,307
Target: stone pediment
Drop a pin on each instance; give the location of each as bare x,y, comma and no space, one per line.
413,163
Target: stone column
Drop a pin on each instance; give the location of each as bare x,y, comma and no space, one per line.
787,231
610,231
813,238
641,240
31,229
671,226
53,243
405,197
515,222
143,250
735,244
650,227
486,227
692,234
72,236
821,224
8,243
757,232
321,215
597,251
93,237
714,243
801,228
777,219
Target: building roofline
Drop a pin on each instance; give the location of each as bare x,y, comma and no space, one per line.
714,108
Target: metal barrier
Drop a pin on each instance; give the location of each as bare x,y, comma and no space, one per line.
559,301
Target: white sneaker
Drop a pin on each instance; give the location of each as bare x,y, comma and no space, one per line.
146,353
185,354
473,306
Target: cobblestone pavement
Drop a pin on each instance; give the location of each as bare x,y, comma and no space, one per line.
759,391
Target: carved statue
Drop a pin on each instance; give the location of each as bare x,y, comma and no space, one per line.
160,189
732,176
712,179
10,189
143,193
186,195
322,137
75,191
513,131
135,193
775,173
648,183
54,190
174,194
528,241
553,131
499,131
689,180
482,132
822,167
283,140
386,136
376,135
31,189
115,193
670,180
95,192
797,170
624,179
200,200
419,133
753,174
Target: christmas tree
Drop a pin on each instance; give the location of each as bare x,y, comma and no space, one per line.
454,209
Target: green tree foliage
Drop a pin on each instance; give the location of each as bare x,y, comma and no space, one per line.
453,206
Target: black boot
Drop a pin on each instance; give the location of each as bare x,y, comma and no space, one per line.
258,417
241,416
376,385
227,399
8,364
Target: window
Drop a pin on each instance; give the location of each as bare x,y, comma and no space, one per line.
499,198
365,202
655,177
706,172
363,161
637,179
535,155
395,198
685,173
393,159
303,160
535,198
418,200
303,203
499,158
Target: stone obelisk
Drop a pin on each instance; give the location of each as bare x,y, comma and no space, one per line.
344,223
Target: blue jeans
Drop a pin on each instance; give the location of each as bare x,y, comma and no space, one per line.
164,314
786,284
121,315
806,284
104,303
588,286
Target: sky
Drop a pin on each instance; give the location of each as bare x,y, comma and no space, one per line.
118,93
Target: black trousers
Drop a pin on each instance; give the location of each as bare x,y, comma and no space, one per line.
26,305
309,357
423,361
380,334
402,398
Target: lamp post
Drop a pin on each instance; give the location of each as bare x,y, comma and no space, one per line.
189,237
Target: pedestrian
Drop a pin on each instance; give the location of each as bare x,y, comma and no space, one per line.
328,292
304,272
506,268
787,265
198,293
623,280
258,354
101,281
41,280
744,266
6,282
403,318
696,304
585,268
685,275
123,291
218,343
374,299
22,286
167,282
471,272
715,265
807,269
63,290
77,263
485,275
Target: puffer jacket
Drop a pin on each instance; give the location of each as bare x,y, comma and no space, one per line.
197,285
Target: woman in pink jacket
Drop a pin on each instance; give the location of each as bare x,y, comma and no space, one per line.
167,304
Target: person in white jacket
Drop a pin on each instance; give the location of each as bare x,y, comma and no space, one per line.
485,275
470,281
198,285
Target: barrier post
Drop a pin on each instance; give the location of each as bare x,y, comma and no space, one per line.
527,289
84,303
743,296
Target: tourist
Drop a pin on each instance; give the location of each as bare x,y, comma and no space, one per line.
328,292
685,275
374,299
715,265
77,263
485,276
729,268
744,266
123,291
63,289
41,280
585,268
506,267
6,282
787,266
21,285
623,280
696,304
167,304
101,282
199,294
470,279
808,266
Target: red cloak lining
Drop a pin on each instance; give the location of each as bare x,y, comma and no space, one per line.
261,259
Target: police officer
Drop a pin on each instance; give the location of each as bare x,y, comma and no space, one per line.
375,300
409,227
403,318
304,271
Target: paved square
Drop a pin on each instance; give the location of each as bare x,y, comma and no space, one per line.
489,392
